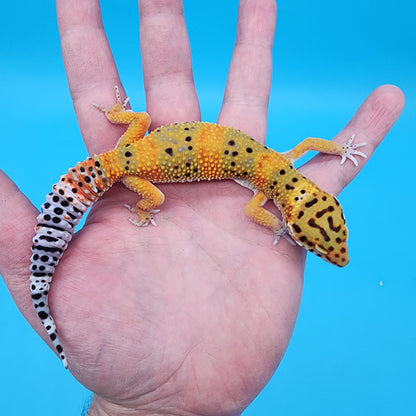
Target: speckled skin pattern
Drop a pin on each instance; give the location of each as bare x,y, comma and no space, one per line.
183,152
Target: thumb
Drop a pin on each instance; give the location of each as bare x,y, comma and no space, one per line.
17,219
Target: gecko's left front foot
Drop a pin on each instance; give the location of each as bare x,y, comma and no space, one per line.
350,152
118,107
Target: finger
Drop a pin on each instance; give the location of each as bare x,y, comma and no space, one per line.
17,219
167,65
90,68
370,124
247,91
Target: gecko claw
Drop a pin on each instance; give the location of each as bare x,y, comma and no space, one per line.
283,233
117,105
143,222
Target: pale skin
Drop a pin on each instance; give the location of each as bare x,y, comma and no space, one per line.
191,317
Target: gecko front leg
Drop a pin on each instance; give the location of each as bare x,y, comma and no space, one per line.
345,150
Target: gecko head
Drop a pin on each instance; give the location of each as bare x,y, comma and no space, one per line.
316,222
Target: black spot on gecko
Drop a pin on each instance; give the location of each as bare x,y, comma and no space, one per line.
188,138
235,153
97,163
294,179
300,215
42,315
226,152
282,172
249,150
289,187
311,202
332,226
324,234
36,296
128,154
48,238
169,151
297,228
190,147
231,143
319,214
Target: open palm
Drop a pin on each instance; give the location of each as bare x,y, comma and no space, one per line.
192,316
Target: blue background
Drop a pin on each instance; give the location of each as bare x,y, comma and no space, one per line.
353,348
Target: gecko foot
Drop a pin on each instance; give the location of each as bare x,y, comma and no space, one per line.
119,106
283,232
350,152
145,217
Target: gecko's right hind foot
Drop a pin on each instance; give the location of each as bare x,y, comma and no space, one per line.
145,217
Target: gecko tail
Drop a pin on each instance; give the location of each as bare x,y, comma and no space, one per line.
60,214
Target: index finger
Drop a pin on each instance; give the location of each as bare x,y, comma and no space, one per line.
90,69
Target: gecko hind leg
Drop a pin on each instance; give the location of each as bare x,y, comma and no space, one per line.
151,199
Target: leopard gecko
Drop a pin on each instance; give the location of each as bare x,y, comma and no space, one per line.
187,152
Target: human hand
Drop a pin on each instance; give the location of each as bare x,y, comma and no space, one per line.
192,316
